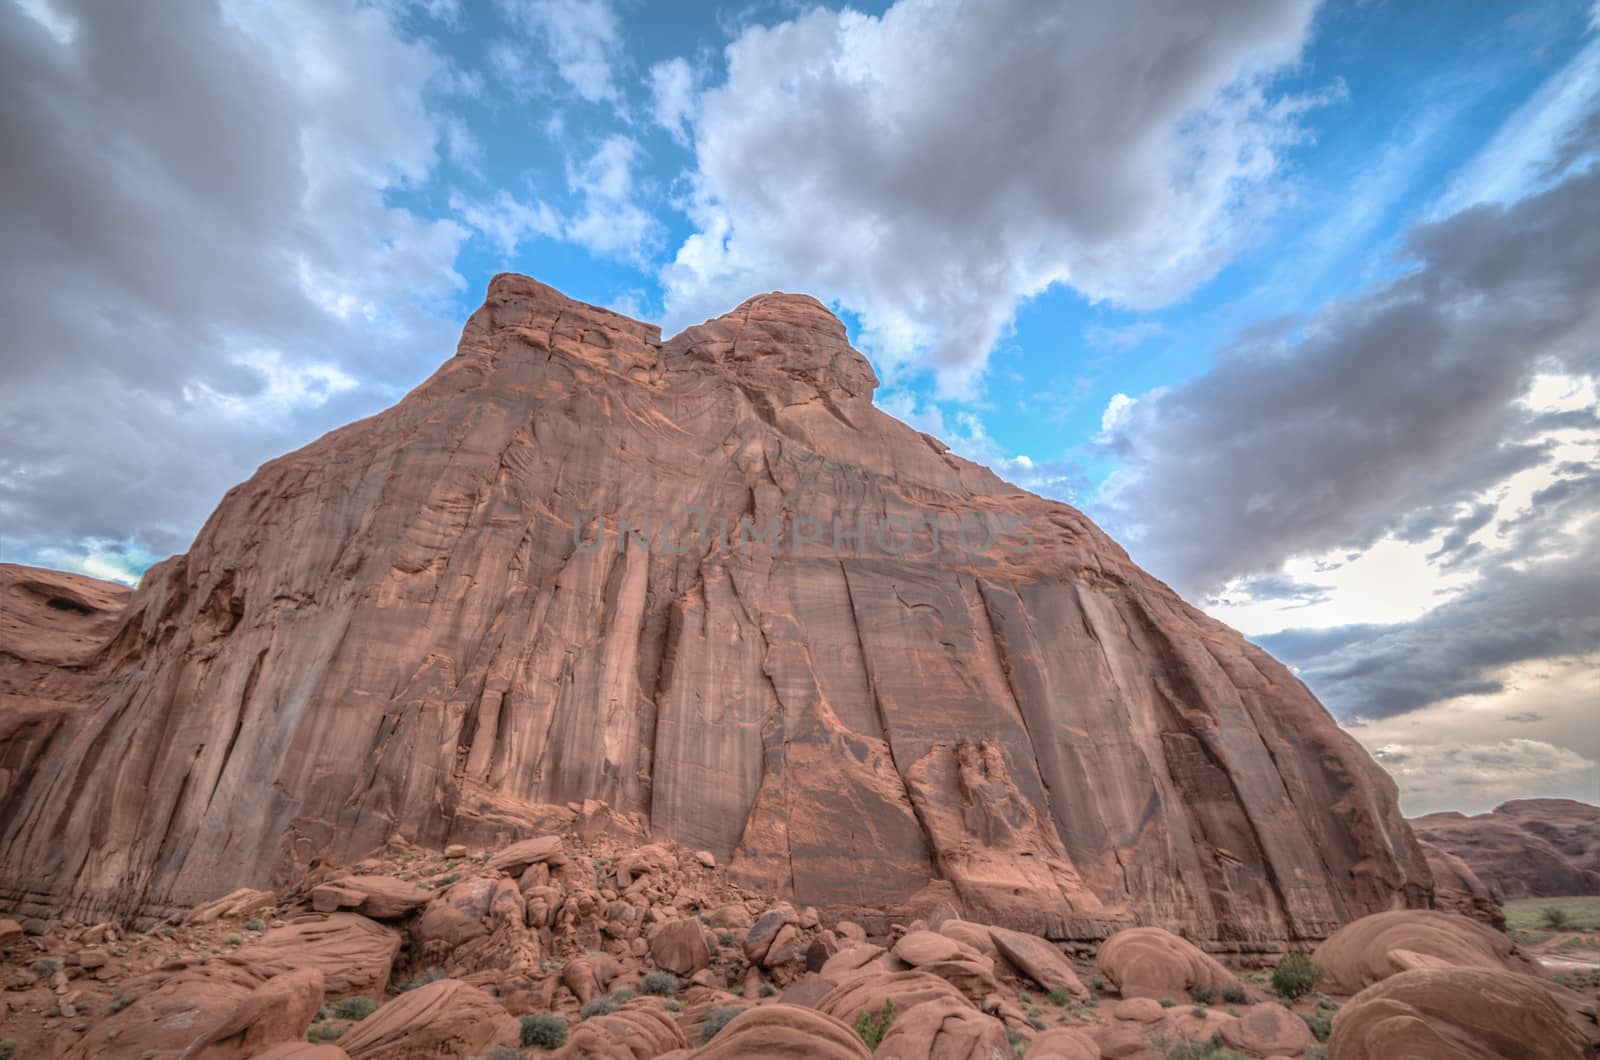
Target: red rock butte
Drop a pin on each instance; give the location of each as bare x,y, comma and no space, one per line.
416,626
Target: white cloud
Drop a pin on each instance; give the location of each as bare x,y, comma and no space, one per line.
610,220
672,90
1116,409
506,220
933,167
582,38
1551,133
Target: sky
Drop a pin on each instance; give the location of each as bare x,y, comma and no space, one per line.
1300,301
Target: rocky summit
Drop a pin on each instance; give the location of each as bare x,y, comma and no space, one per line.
705,583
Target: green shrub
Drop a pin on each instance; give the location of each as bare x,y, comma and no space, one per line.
1316,1052
1061,996
45,966
768,990
8,1049
1235,995
1097,983
660,984
717,1020
674,1005
1203,995
1321,1026
1167,1002
1555,919
255,924
545,1030
600,1006
323,1032
873,1026
1036,1023
1295,976
624,995
120,1002
234,939
432,975
725,939
504,1052
355,1008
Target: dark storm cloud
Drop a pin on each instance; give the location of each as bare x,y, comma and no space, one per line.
1387,412
1515,613
199,268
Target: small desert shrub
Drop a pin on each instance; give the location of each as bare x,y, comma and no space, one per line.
660,984
504,1052
1203,995
1198,1012
1036,1023
120,1002
355,1008
674,1005
546,1030
600,1006
1167,1002
767,990
255,924
1580,981
1097,983
1295,976
1316,1052
624,995
45,966
1197,1049
1555,919
717,1020
234,939
1060,996
873,1026
323,1032
447,880
725,939
1024,998
432,975
1321,1026
1235,995
8,1049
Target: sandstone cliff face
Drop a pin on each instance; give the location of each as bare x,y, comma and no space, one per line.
431,624
1526,848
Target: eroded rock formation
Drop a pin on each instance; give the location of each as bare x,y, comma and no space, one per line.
1526,848
707,582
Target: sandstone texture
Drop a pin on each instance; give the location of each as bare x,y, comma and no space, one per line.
1376,947
1528,848
706,582
1456,1014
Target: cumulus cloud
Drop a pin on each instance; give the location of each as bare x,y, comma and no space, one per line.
582,39
931,167
1397,406
672,91
194,228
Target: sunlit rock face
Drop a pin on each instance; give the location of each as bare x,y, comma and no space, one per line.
707,582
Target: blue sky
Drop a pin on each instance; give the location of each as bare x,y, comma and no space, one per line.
1291,297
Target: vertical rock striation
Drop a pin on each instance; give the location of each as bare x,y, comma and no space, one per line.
705,581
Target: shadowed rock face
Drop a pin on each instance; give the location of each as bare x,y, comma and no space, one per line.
417,625
1526,848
